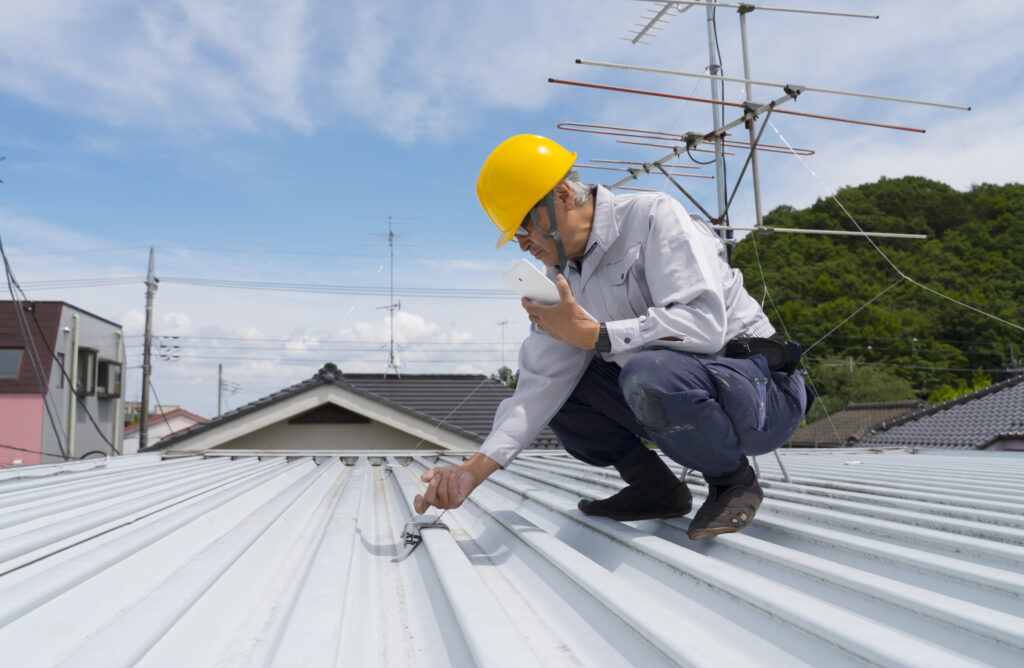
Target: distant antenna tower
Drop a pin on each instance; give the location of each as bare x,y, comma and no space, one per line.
393,305
503,324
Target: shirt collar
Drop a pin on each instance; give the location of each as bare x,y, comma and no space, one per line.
602,231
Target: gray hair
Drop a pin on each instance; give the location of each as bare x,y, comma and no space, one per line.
580,191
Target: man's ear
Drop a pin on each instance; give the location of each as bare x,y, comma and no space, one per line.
564,193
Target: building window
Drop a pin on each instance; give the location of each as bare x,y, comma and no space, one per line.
85,383
108,379
60,369
10,362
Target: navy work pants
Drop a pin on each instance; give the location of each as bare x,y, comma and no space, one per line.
702,411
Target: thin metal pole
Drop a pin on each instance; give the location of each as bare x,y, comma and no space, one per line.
777,9
220,386
755,175
671,96
147,346
830,91
717,94
118,402
842,233
392,364
785,475
72,420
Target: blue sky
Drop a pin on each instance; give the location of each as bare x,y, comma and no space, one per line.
280,132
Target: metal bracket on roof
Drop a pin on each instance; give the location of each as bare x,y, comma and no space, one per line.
412,538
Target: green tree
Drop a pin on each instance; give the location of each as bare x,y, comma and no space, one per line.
505,376
974,254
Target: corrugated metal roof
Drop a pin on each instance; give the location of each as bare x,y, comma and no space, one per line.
971,421
862,558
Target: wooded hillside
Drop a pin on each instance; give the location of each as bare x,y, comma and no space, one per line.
908,342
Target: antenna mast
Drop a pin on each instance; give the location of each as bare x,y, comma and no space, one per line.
717,117
393,305
390,237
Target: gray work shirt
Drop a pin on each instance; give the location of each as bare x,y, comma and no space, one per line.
655,277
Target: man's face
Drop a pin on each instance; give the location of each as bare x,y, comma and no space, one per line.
534,243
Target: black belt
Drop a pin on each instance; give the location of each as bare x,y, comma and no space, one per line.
781,354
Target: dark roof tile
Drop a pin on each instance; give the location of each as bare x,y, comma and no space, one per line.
461,403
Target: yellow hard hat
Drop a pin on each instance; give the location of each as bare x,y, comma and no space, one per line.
517,175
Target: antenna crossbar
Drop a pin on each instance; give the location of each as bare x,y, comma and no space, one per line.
746,7
761,229
694,138
790,112
642,168
616,131
715,77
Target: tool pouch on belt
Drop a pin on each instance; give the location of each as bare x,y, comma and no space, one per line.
781,355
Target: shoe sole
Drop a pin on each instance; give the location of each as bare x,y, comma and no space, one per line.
707,532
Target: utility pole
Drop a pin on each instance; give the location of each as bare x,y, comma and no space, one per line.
151,282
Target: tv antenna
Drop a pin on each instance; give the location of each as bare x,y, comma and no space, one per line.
752,111
390,237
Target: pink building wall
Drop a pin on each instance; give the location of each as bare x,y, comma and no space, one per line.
21,425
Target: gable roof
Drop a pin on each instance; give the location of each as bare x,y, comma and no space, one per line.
851,424
861,558
158,418
973,420
460,403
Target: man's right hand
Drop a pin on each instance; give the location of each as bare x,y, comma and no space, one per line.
448,486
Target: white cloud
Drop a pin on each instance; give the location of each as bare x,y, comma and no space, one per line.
181,64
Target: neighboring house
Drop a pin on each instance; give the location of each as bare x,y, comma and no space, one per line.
337,411
171,421
989,419
852,424
80,381
132,410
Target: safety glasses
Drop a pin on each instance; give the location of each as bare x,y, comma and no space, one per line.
522,232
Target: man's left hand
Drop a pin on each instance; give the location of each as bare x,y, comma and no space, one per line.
566,320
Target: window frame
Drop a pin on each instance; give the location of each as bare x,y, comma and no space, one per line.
87,361
104,380
21,358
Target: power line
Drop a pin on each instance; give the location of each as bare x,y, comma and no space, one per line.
186,337
30,347
315,288
320,360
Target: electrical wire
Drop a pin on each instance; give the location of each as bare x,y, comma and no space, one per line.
78,397
452,412
32,452
30,347
163,413
830,193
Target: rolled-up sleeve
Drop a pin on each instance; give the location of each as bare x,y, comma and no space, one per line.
548,372
689,308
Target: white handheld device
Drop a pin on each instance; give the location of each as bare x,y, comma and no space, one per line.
529,282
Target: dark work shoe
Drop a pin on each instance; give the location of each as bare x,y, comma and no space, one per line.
631,503
732,501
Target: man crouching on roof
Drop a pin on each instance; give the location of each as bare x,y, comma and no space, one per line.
653,366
